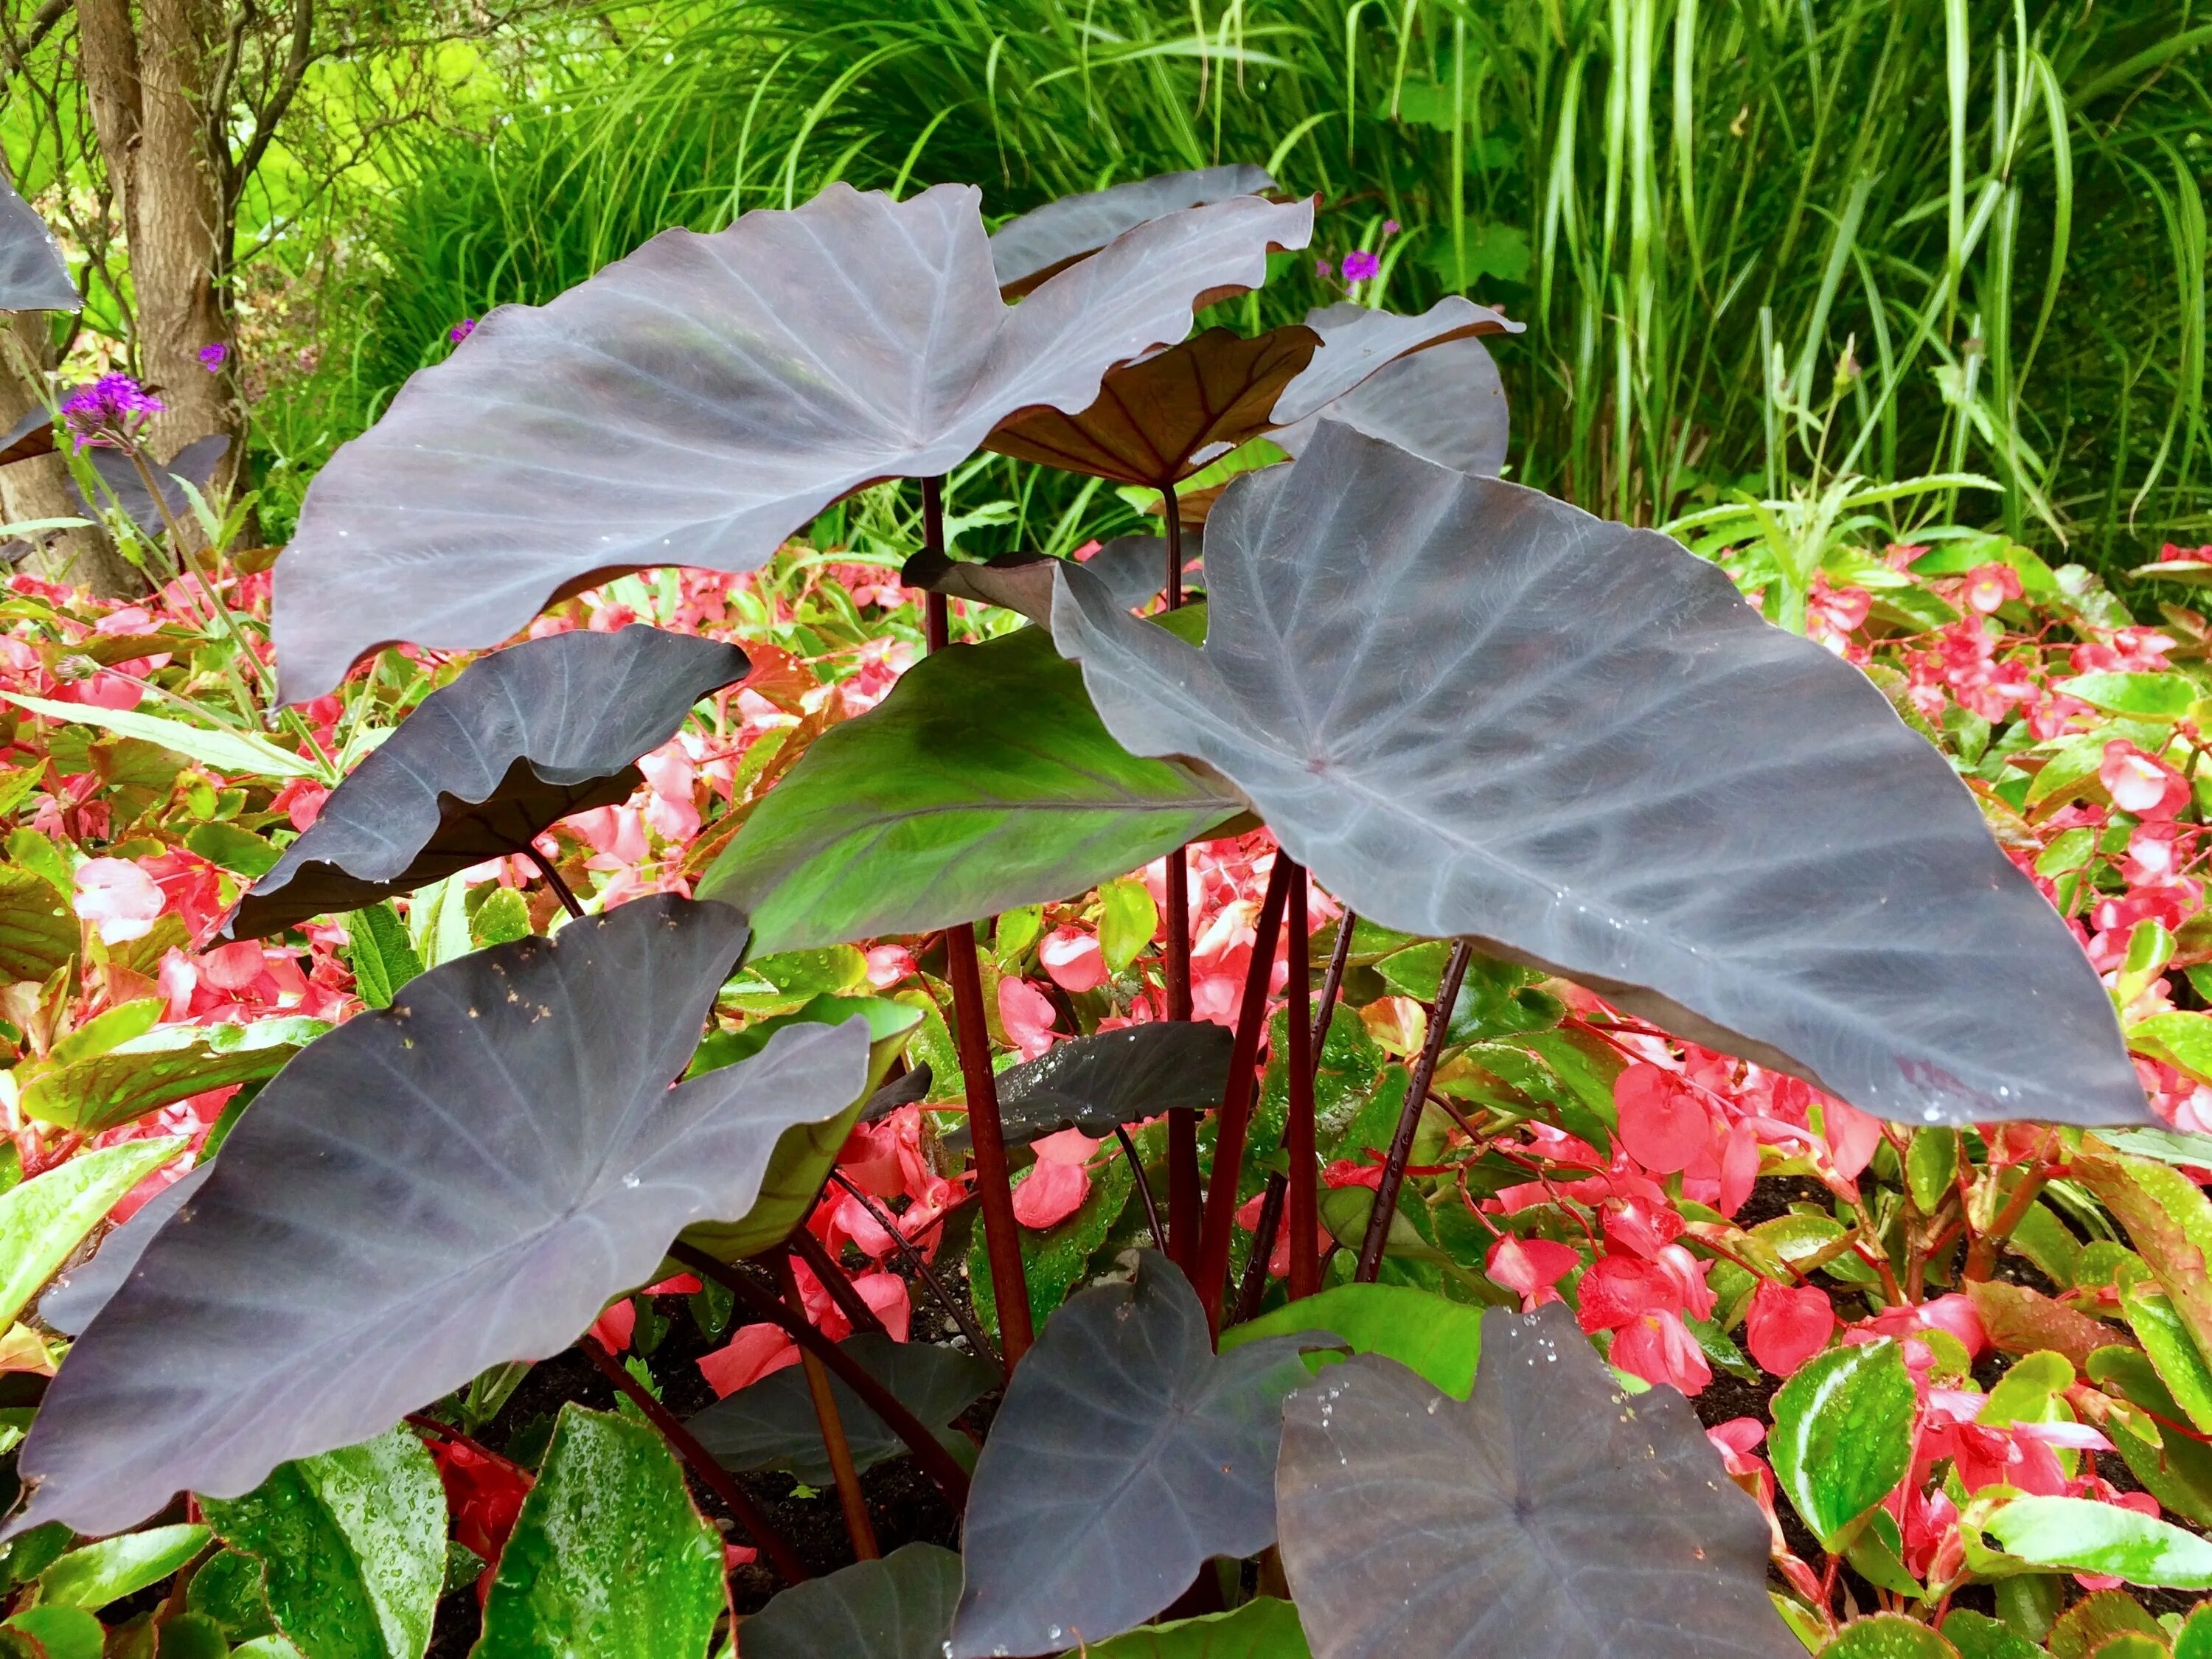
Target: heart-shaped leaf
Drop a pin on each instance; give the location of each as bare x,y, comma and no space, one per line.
1444,403
33,275
1843,1434
1551,1516
72,1300
1027,250
166,1065
899,1607
352,1547
526,1160
1124,1454
1097,1083
524,738
697,402
1472,710
982,782
771,1424
608,1558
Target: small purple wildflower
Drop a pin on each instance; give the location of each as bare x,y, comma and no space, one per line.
461,331
1323,269
1359,265
111,412
213,357
1389,227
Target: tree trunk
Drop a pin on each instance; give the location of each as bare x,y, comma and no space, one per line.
39,489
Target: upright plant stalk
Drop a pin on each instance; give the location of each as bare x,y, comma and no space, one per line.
1332,983
1236,1116
561,889
1255,1284
1409,1119
1184,1214
1298,1137
712,1475
858,1527
936,1462
1002,1240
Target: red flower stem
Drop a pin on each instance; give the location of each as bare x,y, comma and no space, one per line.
808,1249
955,1308
1409,1119
858,1527
1144,1186
936,1462
1254,1285
1982,1255
712,1475
937,616
1002,1241
1184,1214
1235,1120
1299,1134
1332,984
560,890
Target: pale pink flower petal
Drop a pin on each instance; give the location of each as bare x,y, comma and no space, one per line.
1073,959
119,899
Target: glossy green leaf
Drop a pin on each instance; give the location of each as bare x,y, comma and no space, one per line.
166,1065
1843,1434
1054,1258
37,930
2177,1035
115,1567
2194,1640
1441,1340
609,1559
225,751
2081,1535
1931,1164
240,851
1978,1635
189,1635
2091,1622
1263,1628
2145,696
502,919
1127,919
804,1153
63,1632
226,1588
1878,1555
2179,1363
379,954
266,1647
984,780
43,1218
16,784
2173,1468
352,1547
1888,1636
2169,1220
119,1024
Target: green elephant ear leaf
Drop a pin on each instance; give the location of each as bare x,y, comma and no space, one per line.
608,1558
984,781
352,1546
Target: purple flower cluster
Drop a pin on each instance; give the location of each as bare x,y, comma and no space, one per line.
213,357
461,331
1359,265
109,412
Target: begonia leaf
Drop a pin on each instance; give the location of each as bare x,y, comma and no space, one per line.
899,1608
771,1424
164,1065
984,781
697,402
97,1573
2169,1220
39,931
2087,1535
1125,1453
525,1160
608,1558
1888,1636
1472,710
34,275
1445,403
1843,1434
60,1633
72,1300
43,1218
1025,250
1097,1083
1549,1516
524,738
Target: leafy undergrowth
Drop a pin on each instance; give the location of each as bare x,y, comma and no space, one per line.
1888,1332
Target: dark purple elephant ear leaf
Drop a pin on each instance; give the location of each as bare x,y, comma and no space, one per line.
899,1607
33,275
1359,343
699,401
71,1301
524,738
459,1180
1472,710
1445,403
1096,1083
1548,1516
1124,1454
1024,252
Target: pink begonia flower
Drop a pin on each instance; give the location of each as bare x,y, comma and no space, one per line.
1056,1187
301,801
889,963
119,899
870,1159
232,967
757,1351
1618,1289
1785,1327
1739,1167
1027,1014
1852,1136
1953,1314
1659,1348
887,1296
613,832
1689,1276
669,780
1990,586
2141,783
1531,1268
616,1323
1073,959
1663,1124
